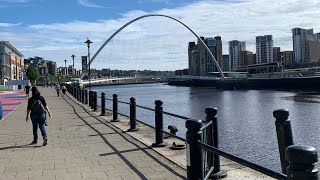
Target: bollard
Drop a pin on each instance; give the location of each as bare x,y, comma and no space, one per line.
194,150
284,135
95,101
74,91
82,96
115,108
159,124
103,104
86,96
302,161
213,140
90,98
77,93
132,115
78,97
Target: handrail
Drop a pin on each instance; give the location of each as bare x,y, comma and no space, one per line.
244,162
175,115
142,107
123,102
206,126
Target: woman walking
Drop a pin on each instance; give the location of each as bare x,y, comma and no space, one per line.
38,107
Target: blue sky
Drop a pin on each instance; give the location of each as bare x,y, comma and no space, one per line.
56,29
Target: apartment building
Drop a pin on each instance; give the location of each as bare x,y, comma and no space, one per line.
11,66
264,49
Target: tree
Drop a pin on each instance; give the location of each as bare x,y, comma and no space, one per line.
32,73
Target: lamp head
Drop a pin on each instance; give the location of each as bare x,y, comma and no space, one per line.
88,42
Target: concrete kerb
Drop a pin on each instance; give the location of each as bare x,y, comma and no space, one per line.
146,136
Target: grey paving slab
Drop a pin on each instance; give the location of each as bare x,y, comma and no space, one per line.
79,147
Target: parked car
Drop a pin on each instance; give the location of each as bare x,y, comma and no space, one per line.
299,75
317,74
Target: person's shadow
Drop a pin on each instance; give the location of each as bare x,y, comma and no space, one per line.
20,146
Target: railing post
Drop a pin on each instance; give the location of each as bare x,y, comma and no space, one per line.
115,108
74,91
95,101
77,93
90,98
82,95
284,135
302,161
103,104
194,150
213,140
86,96
132,115
159,124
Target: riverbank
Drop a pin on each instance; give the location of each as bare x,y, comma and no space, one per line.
296,83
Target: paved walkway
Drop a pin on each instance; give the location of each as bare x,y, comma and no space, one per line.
80,146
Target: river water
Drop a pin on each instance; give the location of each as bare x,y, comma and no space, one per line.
245,119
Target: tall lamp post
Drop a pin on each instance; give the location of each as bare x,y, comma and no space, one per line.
73,56
65,67
88,42
281,65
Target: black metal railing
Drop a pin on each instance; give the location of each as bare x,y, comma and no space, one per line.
203,153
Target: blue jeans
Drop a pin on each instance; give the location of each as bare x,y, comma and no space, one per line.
38,120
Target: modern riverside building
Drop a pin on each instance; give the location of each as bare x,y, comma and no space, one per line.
276,54
287,57
200,61
226,62
235,48
317,37
11,66
45,67
264,49
246,58
301,50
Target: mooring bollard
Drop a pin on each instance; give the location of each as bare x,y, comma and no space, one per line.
158,124
85,96
132,115
302,161
115,108
103,104
194,150
284,135
95,101
213,140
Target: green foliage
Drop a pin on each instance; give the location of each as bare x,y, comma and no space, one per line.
32,73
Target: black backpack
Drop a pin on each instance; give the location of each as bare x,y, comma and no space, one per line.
37,107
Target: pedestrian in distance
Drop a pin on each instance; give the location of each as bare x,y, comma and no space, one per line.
58,89
27,89
37,108
64,90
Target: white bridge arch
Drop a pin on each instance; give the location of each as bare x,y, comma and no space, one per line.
159,15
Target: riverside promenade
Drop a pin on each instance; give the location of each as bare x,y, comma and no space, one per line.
80,146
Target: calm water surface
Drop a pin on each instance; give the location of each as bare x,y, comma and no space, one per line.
246,123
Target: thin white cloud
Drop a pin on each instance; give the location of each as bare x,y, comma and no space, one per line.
9,24
87,3
15,1
153,40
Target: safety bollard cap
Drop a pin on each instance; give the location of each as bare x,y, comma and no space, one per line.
281,114
211,111
194,124
301,154
158,103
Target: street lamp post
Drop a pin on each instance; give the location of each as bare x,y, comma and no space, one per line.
65,67
73,56
281,66
88,42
